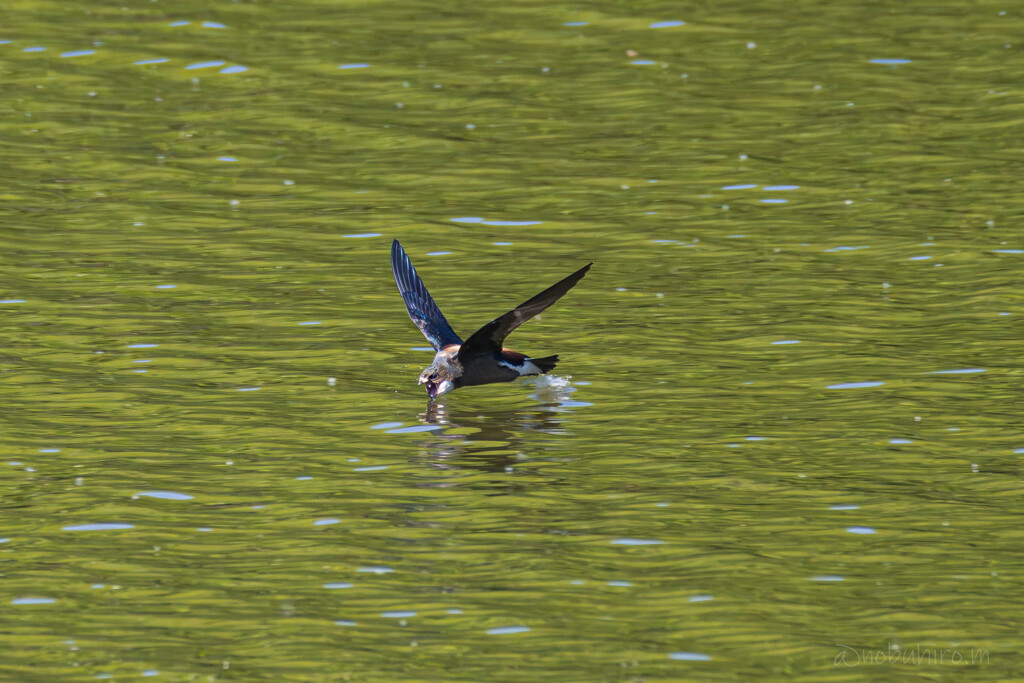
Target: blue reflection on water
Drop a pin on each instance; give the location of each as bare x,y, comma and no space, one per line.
99,526
165,495
205,65
78,53
855,385
958,371
506,630
354,66
690,656
889,61
414,429
667,24
158,60
33,601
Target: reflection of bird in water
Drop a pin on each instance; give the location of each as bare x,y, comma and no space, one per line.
501,438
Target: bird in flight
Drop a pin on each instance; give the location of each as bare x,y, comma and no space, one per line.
481,359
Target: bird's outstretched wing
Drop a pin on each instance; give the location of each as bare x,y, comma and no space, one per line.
422,309
488,339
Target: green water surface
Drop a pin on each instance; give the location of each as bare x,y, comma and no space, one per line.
784,441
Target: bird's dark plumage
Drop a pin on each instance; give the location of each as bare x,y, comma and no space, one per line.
481,359
488,339
421,306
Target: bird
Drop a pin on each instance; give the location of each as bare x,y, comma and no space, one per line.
481,359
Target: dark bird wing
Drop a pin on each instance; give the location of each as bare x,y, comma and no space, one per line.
422,309
488,339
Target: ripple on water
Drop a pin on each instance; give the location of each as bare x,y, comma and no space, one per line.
204,65
897,442
375,570
636,541
165,495
889,61
344,622
234,69
157,60
827,577
511,224
739,187
689,656
414,429
957,371
855,385
671,23
99,526
33,601
864,530
338,584
78,53
363,234
387,425
507,630
354,65
142,346
844,506
398,614
326,522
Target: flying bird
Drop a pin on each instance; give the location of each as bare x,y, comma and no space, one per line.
481,359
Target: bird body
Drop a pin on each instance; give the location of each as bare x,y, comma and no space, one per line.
481,359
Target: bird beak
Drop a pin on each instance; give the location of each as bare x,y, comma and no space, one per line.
431,390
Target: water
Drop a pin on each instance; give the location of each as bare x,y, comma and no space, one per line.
694,495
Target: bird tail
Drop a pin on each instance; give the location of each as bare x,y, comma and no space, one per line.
546,364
